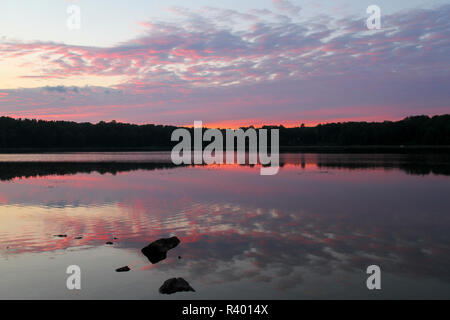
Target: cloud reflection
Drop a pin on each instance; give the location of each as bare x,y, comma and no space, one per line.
312,218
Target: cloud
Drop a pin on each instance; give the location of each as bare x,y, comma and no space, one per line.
260,67
286,7
61,89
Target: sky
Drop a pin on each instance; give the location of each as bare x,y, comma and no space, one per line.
227,63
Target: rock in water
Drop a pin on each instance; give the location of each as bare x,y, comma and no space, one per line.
123,269
157,251
109,243
174,285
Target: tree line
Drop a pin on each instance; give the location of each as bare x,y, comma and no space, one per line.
40,134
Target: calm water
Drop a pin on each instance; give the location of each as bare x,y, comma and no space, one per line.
309,232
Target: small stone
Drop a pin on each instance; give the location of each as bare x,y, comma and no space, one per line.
123,269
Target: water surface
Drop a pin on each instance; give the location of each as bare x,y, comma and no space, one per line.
309,232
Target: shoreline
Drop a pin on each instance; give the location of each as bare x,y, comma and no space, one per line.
283,149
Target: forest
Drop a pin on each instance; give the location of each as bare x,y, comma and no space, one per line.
39,134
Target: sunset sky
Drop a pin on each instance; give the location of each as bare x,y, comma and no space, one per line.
227,63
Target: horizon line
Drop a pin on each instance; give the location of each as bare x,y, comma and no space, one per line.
216,125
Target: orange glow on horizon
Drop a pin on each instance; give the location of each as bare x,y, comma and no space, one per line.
258,123
227,124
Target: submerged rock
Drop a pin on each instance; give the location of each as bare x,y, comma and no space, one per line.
157,251
123,269
174,285
60,235
78,238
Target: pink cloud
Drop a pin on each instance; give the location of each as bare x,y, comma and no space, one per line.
286,6
272,69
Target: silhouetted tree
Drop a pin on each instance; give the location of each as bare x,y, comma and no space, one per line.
39,134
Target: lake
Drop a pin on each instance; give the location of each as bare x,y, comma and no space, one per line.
309,232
